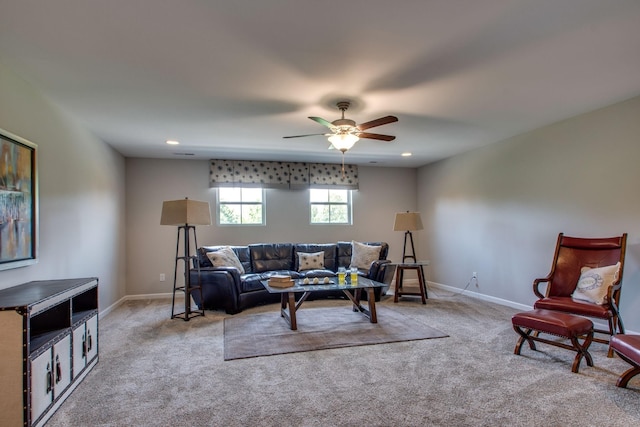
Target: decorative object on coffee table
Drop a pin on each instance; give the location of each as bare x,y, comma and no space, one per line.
186,214
280,281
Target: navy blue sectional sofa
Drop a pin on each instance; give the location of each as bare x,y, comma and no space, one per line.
226,289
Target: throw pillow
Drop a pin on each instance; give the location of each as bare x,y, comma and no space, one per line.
225,257
594,283
363,255
310,261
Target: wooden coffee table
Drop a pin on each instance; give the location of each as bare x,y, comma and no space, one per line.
289,306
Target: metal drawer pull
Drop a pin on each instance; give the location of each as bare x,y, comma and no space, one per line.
84,346
90,341
49,379
58,369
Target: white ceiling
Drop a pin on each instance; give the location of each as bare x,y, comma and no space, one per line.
230,78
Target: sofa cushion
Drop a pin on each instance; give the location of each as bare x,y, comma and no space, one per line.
362,255
225,257
310,261
242,252
569,305
271,256
593,285
330,253
345,250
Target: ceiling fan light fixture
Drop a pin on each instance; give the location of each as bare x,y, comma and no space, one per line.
343,141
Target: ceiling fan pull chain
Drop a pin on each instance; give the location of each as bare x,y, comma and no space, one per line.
343,176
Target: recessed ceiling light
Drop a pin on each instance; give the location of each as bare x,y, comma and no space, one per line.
406,154
172,142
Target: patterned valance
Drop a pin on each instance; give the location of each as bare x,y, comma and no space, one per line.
298,176
246,173
289,175
327,175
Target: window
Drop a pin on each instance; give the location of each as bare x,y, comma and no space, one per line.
330,206
240,206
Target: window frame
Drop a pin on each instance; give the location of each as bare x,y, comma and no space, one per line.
329,203
262,204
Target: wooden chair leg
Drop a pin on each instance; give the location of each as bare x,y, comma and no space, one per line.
582,351
524,336
626,376
615,324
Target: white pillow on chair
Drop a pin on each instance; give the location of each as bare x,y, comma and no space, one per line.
593,285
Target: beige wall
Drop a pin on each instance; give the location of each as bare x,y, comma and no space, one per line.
81,183
151,247
498,210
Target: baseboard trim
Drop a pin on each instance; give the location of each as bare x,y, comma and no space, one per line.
125,298
480,296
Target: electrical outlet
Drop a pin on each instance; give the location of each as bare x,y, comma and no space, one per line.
162,278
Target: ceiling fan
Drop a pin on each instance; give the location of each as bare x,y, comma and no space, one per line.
345,133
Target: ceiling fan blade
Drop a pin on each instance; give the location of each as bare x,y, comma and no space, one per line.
376,136
377,122
310,134
323,122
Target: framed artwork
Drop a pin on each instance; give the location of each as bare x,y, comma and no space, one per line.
18,202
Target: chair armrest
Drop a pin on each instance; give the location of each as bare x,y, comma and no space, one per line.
536,285
613,294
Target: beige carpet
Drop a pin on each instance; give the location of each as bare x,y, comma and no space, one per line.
268,334
154,371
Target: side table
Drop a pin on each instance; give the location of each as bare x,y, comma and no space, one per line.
419,268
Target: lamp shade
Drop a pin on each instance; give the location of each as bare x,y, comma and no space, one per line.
343,141
407,221
185,211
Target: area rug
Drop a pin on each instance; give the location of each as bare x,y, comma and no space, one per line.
267,334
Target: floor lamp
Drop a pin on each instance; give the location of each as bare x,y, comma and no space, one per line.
408,222
186,214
